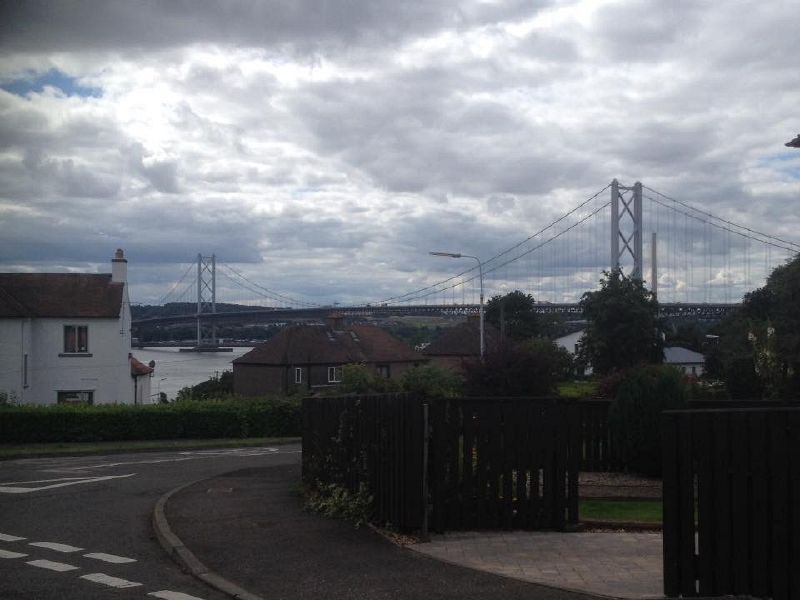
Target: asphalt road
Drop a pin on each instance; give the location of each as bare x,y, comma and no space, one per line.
79,527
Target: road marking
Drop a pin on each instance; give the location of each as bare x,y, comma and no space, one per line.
184,456
52,565
4,537
55,546
110,558
14,488
168,595
114,582
9,554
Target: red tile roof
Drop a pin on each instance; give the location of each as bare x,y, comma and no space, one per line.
138,368
65,295
317,344
464,340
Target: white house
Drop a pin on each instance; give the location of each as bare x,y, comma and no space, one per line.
66,337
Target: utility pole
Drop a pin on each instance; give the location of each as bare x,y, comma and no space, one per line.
626,227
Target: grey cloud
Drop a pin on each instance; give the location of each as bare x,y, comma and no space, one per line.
305,25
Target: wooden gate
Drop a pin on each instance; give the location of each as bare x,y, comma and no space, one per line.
732,502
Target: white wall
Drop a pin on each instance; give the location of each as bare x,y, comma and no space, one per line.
15,342
106,372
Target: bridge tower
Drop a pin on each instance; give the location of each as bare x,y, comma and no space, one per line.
627,228
206,297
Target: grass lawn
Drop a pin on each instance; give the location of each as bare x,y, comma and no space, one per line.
8,451
576,389
620,511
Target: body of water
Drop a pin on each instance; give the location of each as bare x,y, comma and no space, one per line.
176,370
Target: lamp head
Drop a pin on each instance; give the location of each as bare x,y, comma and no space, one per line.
448,254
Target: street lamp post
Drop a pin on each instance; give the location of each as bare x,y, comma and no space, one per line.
480,272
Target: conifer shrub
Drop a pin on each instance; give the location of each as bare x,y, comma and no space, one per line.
635,414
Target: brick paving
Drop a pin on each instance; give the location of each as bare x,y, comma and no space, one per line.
620,565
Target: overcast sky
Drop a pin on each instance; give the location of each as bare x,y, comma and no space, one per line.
322,148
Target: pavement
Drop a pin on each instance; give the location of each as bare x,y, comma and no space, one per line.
246,534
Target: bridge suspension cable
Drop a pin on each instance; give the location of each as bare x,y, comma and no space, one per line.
244,282
488,265
753,232
165,297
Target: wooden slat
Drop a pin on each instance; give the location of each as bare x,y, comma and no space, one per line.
780,543
703,444
723,583
670,518
793,443
740,537
759,520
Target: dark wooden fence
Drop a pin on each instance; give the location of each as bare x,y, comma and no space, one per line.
492,463
598,450
503,463
370,442
732,502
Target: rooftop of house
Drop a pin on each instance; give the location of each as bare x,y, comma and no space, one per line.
676,355
337,344
464,340
59,295
138,368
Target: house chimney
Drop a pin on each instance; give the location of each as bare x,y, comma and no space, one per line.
119,267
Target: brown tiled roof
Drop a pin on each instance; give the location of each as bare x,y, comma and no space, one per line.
316,344
138,368
70,295
463,340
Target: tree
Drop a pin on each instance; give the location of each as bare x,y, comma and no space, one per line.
635,415
530,368
623,325
760,344
516,309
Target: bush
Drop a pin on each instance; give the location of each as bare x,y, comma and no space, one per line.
431,381
195,419
634,418
335,501
527,369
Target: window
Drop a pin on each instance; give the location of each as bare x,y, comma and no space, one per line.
334,374
76,339
24,370
298,375
384,371
76,397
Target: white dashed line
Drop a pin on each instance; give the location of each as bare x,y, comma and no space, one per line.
51,565
9,554
114,582
168,595
4,537
55,546
110,558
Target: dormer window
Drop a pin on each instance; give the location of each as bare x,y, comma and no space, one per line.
76,339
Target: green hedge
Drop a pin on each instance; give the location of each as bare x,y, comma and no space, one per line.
191,419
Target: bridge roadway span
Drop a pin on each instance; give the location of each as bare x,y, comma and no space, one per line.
700,311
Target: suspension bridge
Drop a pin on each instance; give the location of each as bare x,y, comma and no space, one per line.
697,263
